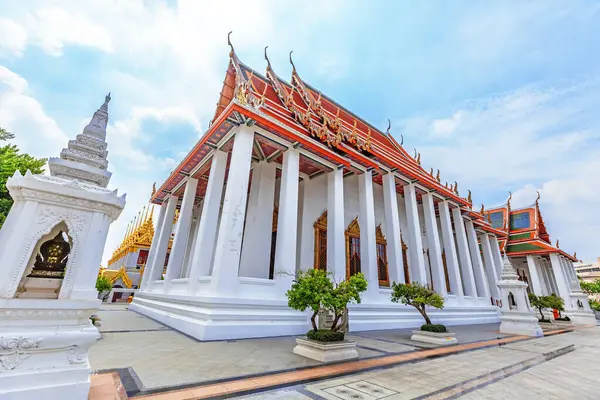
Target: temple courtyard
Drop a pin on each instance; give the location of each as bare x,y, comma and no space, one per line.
140,358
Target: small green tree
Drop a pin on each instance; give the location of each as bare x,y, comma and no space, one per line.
539,302
308,291
590,287
341,295
556,302
12,160
417,295
103,285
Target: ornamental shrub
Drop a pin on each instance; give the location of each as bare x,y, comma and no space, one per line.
314,290
417,295
437,328
325,335
594,305
540,302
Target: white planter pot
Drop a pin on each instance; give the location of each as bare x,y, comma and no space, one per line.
326,351
442,339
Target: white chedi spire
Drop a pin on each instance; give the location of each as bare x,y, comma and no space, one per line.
508,271
84,159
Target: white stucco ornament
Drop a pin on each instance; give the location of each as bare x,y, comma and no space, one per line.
51,246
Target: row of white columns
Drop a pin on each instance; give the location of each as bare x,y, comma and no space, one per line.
556,275
217,243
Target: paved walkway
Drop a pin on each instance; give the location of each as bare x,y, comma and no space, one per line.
150,357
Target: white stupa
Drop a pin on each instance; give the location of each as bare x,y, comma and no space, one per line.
51,246
517,317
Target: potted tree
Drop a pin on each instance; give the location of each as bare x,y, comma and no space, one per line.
420,296
540,303
314,290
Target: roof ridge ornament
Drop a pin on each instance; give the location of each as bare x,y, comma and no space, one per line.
387,132
267,58
537,199
232,52
292,62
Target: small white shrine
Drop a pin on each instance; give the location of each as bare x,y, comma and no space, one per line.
517,316
51,246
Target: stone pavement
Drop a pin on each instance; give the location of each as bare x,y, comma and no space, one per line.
159,357
557,367
156,362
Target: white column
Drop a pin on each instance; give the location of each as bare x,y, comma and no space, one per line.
415,244
163,240
488,262
368,246
287,222
546,284
229,239
466,267
497,256
153,247
454,277
189,249
534,274
570,271
482,285
183,232
336,254
256,249
392,225
433,243
204,250
561,281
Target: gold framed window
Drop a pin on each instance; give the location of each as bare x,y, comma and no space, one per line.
405,261
320,242
382,260
353,248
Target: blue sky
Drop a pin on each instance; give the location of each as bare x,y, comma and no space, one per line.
500,95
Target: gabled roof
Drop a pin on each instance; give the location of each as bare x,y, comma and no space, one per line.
525,228
297,111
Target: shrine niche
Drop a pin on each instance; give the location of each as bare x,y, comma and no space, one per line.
46,270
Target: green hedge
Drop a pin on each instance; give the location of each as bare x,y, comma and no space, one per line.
325,335
437,328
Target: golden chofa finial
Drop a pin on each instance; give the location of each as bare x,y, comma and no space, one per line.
431,171
267,58
419,158
537,199
292,62
455,188
482,210
469,199
446,184
509,198
153,189
415,156
557,244
232,52
401,139
437,176
387,132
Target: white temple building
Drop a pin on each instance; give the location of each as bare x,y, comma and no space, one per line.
285,179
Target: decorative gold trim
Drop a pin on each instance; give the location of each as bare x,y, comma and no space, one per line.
380,241
319,225
352,232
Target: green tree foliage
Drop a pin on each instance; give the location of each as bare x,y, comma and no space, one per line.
103,285
10,161
307,292
595,305
417,295
590,287
314,290
344,293
540,302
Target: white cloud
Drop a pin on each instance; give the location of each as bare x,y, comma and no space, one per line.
446,126
522,141
14,37
20,113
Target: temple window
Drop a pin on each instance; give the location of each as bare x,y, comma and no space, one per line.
497,219
353,248
320,250
511,301
405,261
382,260
273,243
446,271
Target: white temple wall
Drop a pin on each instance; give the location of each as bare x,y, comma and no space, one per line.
314,203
